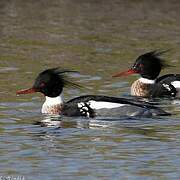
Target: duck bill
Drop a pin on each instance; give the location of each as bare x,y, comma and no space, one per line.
27,91
125,73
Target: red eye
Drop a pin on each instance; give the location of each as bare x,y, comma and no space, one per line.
42,84
141,65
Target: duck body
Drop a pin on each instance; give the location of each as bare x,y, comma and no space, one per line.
51,83
166,86
92,106
149,66
96,105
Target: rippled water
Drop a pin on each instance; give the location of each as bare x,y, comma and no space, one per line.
97,38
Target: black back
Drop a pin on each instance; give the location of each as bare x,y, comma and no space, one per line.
168,78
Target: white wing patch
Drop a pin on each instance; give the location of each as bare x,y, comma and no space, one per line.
103,104
176,84
83,108
166,86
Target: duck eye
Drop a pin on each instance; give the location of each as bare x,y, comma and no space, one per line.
42,84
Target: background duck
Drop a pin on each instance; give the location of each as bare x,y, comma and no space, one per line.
149,66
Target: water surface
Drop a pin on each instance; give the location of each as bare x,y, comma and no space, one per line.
97,38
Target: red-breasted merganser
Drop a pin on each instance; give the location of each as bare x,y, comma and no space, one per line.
51,83
149,66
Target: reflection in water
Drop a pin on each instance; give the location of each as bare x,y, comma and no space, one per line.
132,125
96,38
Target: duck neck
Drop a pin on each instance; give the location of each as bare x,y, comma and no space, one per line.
52,105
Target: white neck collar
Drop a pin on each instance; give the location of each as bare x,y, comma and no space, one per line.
54,100
146,81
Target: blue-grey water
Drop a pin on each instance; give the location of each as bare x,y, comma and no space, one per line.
97,38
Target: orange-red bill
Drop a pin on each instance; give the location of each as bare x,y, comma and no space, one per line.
27,91
125,73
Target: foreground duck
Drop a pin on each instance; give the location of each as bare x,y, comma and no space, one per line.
149,66
51,83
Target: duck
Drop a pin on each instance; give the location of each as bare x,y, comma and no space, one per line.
150,85
51,83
